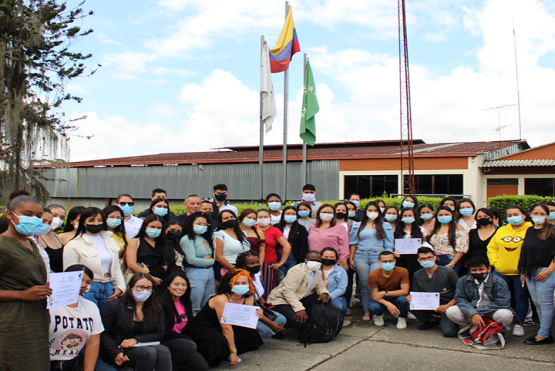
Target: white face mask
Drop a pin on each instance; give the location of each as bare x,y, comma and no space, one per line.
56,223
326,217
538,219
309,197
382,209
372,215
263,222
313,266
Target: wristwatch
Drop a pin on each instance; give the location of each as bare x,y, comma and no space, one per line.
451,265
385,293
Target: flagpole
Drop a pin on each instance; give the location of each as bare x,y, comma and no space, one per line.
285,98
261,148
305,178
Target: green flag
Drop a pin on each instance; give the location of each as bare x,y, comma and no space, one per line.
310,108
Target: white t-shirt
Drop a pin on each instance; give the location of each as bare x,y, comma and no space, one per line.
43,254
103,253
232,247
258,286
346,225
132,227
286,232
70,329
274,219
463,224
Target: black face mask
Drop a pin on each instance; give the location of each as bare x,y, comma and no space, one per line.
173,235
484,221
221,197
329,261
229,224
253,270
341,215
480,277
94,229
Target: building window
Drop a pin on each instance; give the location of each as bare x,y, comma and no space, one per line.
370,185
508,181
438,184
539,186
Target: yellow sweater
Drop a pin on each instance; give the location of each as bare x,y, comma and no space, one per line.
504,249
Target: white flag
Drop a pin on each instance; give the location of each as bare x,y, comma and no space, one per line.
267,90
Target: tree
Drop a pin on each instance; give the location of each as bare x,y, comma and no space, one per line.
35,65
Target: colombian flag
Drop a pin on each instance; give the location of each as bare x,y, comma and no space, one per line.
286,46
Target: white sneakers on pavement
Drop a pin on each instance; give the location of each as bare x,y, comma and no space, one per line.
378,320
518,331
401,323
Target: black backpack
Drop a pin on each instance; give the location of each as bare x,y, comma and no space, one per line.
323,325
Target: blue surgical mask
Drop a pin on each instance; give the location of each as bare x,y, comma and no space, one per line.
357,203
445,219
153,233
113,223
127,210
467,211
408,204
388,266
162,211
352,214
551,216
43,229
427,264
390,218
274,205
304,213
28,225
426,216
248,222
240,289
141,296
290,218
515,220
200,229
407,220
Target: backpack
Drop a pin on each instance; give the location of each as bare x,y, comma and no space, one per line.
323,325
486,337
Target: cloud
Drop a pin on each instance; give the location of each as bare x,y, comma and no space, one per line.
434,37
163,109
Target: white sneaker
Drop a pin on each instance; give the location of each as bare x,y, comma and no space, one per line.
411,317
378,320
401,323
518,331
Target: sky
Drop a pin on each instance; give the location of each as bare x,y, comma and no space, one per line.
184,75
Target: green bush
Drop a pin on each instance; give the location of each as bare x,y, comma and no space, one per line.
503,202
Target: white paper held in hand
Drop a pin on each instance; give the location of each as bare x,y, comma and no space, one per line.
240,315
407,245
424,300
65,288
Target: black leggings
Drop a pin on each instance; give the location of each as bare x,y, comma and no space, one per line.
185,356
289,313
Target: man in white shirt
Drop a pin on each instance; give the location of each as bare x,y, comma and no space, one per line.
132,224
309,196
220,202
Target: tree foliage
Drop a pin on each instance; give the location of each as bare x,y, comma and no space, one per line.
35,65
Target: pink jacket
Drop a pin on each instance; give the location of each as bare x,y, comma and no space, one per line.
336,237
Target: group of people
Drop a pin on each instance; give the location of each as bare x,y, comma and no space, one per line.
164,279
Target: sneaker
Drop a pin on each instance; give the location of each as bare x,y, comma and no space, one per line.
378,320
518,331
401,323
411,317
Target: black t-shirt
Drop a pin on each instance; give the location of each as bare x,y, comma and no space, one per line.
477,246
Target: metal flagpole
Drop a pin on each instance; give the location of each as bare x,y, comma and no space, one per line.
261,148
305,175
285,98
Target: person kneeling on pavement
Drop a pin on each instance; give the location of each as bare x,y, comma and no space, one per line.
435,278
480,294
389,287
303,287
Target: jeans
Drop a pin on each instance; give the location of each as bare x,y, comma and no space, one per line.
99,294
65,366
520,295
289,313
149,358
339,303
364,265
265,331
448,327
504,317
542,296
203,285
400,302
289,263
445,259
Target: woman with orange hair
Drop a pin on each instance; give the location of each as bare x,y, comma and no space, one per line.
217,341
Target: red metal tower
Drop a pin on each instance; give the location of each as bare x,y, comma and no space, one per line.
407,150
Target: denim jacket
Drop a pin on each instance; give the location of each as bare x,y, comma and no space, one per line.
337,282
467,295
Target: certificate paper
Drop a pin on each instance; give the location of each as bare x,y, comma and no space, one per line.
65,288
240,315
424,300
407,245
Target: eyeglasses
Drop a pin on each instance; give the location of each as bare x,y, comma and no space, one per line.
202,224
127,203
143,288
115,217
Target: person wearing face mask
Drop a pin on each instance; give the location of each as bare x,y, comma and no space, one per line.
217,341
504,253
161,207
176,256
381,203
229,240
481,294
267,326
156,193
438,279
59,213
427,220
114,221
303,287
132,223
465,210
273,236
391,215
335,278
136,318
551,216
220,203
327,233
208,209
355,199
296,235
273,201
309,196
449,240
479,238
389,287
50,242
450,202
409,227
198,250
247,221
23,290
342,216
304,210
410,202
367,240
81,341
536,266
94,247
71,224
352,211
